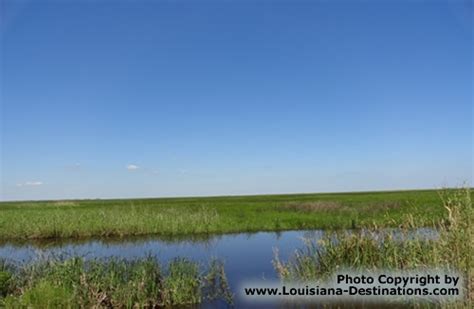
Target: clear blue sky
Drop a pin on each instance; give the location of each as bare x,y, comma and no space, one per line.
176,98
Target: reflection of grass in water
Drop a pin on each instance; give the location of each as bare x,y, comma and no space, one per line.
363,250
207,215
112,283
41,243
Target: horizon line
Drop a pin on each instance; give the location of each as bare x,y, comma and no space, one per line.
237,195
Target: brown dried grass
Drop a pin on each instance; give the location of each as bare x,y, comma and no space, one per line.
314,206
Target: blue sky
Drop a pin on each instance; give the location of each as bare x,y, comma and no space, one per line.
176,98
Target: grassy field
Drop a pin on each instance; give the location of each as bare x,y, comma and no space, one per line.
175,216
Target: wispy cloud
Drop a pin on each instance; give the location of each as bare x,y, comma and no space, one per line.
29,184
132,167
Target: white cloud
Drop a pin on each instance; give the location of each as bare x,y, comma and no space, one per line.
33,183
132,167
30,183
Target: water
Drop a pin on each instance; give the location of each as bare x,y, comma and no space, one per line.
247,256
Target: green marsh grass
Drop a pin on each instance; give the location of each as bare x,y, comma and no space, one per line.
366,250
209,215
143,283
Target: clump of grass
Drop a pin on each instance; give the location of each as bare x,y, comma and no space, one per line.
368,249
217,283
75,283
44,294
4,282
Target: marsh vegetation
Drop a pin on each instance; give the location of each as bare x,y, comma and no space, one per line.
184,216
367,249
75,283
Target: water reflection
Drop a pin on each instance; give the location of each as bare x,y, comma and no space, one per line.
197,247
238,246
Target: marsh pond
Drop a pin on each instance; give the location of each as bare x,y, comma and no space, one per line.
246,256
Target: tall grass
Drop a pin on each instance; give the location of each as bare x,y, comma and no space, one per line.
143,283
369,249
